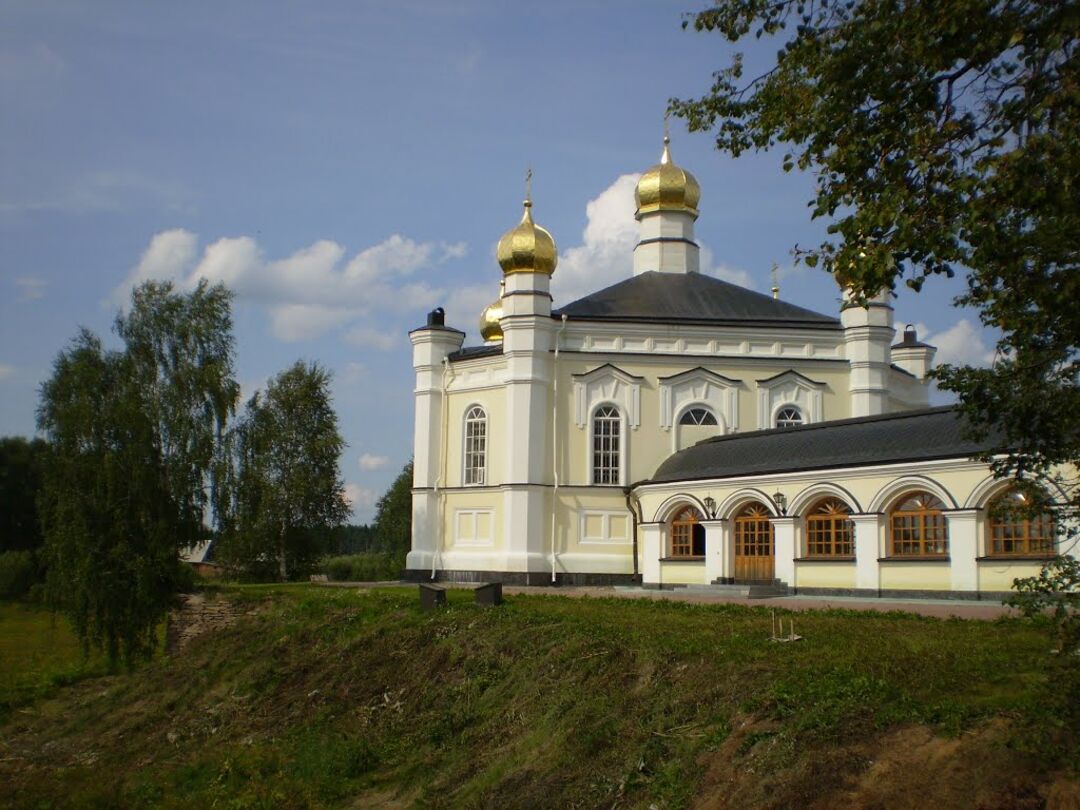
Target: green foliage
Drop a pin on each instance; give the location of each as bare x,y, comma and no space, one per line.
18,574
1056,590
943,137
285,492
130,469
366,567
20,481
393,513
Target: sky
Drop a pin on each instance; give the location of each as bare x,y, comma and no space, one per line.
344,167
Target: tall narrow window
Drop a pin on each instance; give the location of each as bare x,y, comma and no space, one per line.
687,534
918,528
606,445
788,417
829,530
1014,531
475,446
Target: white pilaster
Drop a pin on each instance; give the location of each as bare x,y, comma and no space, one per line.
651,545
714,549
963,549
867,551
868,336
784,548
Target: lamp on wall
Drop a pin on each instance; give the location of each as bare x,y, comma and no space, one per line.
710,506
780,501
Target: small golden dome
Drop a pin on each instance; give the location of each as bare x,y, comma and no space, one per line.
666,187
527,248
490,328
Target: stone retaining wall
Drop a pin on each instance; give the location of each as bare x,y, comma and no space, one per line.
198,614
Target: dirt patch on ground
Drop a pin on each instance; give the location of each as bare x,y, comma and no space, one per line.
901,769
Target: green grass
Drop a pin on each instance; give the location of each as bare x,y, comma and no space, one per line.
38,653
335,697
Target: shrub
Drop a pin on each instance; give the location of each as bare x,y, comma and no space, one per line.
18,574
370,567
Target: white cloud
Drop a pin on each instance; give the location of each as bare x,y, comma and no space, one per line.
354,372
606,255
962,344
371,462
169,256
366,337
310,292
464,305
361,500
6,371
30,288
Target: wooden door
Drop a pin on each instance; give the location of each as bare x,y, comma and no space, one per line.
754,558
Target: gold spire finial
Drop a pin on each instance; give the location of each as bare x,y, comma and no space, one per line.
665,158
775,280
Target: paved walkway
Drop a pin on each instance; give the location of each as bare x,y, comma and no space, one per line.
941,608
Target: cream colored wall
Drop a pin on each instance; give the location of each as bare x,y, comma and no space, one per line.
915,576
492,400
454,502
682,573
824,575
998,575
649,444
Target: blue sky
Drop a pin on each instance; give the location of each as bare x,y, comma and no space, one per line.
346,166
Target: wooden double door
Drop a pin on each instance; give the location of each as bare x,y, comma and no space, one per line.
755,560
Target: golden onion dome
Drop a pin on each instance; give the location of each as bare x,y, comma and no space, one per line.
490,326
666,187
527,248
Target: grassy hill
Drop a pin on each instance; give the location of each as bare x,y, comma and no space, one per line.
331,697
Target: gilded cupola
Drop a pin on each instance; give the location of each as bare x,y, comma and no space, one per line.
527,248
666,187
490,326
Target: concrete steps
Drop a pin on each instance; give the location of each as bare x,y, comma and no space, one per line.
743,590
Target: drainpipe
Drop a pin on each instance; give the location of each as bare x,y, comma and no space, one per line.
439,497
630,501
555,442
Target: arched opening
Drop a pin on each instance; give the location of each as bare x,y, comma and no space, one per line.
1016,528
607,430
695,424
788,417
687,534
475,455
917,527
754,556
829,529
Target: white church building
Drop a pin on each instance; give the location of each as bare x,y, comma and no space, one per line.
674,429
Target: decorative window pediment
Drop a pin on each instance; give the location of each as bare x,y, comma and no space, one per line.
607,383
786,390
699,386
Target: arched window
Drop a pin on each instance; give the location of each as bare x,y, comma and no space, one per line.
687,534
917,527
606,445
475,446
697,416
788,416
829,530
753,543
1013,530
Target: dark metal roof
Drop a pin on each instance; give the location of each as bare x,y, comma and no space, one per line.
694,297
469,352
891,438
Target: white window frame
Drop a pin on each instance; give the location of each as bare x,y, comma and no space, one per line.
788,406
697,406
620,467
790,389
473,475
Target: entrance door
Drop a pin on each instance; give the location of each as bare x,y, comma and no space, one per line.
754,559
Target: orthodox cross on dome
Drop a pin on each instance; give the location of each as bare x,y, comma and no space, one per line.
775,280
528,187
